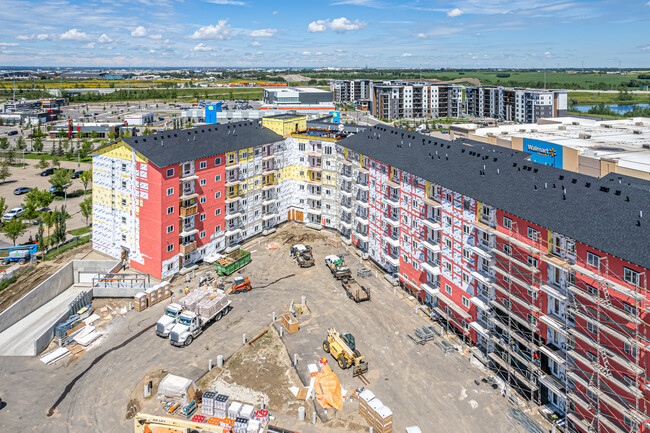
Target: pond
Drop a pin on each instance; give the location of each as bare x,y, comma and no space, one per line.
620,109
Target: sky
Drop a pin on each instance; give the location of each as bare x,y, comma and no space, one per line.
326,33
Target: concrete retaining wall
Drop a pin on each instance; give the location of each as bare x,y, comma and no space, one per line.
118,292
37,297
96,266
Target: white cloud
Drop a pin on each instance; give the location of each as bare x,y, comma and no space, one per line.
227,2
72,35
202,47
339,25
306,53
220,31
421,35
255,44
454,13
156,37
548,54
263,33
90,45
646,48
407,55
139,32
8,44
647,4
275,12
104,39
43,36
24,37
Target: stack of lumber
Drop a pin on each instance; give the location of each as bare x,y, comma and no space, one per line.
225,261
55,355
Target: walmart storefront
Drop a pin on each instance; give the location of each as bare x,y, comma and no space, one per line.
544,152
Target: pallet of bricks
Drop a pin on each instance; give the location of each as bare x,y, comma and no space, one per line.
152,295
217,409
377,415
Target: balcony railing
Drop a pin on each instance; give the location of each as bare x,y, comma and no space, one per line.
189,210
187,248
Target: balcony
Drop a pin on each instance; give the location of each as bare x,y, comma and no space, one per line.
523,322
483,249
392,240
432,245
187,248
392,259
392,200
431,224
433,268
610,307
189,210
188,230
634,294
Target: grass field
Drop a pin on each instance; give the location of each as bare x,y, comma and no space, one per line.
587,98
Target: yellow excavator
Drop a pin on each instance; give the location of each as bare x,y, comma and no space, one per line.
343,348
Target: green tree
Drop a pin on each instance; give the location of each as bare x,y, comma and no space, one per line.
86,208
86,177
38,144
14,229
4,143
55,161
146,131
43,163
40,198
40,234
4,173
10,155
3,206
20,143
59,226
61,179
86,149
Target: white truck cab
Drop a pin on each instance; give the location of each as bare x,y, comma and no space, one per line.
168,320
186,329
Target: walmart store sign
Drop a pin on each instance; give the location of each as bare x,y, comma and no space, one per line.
543,152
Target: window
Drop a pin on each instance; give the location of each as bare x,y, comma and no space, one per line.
532,261
202,235
123,184
123,202
466,278
123,220
217,194
123,166
203,164
448,289
170,210
170,248
533,234
591,356
447,220
170,191
592,290
244,154
466,204
507,249
448,242
591,327
593,260
631,276
531,319
466,229
170,229
202,200
466,254
170,266
301,147
170,172
507,223
217,211
506,302
202,182
217,161
217,229
629,423
630,350
465,302
217,178
592,396
630,309
448,266
202,217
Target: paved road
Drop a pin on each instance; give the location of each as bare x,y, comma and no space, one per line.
418,383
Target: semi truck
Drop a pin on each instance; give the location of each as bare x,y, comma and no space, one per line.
232,262
165,324
192,321
337,267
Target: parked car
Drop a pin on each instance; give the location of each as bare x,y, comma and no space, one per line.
76,174
47,172
21,190
13,213
14,132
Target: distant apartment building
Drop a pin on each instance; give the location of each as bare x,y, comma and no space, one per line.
515,104
302,99
395,100
349,91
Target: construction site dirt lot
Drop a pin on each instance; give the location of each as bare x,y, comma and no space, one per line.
420,384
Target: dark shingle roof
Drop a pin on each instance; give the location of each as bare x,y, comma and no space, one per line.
603,213
179,145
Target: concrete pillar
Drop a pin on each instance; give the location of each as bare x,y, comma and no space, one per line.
303,299
313,417
295,359
244,338
301,413
281,331
262,403
130,306
209,364
274,316
219,361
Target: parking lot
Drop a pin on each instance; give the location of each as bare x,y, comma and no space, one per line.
29,177
420,384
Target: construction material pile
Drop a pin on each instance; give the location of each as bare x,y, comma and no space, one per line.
152,295
212,303
192,299
377,415
217,409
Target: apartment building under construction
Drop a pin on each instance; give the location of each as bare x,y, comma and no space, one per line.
542,271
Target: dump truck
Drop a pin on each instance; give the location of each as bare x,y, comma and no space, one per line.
197,315
343,349
167,321
337,267
232,262
355,291
303,255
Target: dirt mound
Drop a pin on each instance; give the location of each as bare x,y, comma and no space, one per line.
290,237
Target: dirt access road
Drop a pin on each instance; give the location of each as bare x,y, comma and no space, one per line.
419,384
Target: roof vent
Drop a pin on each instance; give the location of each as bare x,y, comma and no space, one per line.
604,189
637,132
561,177
574,180
617,192
584,136
588,184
